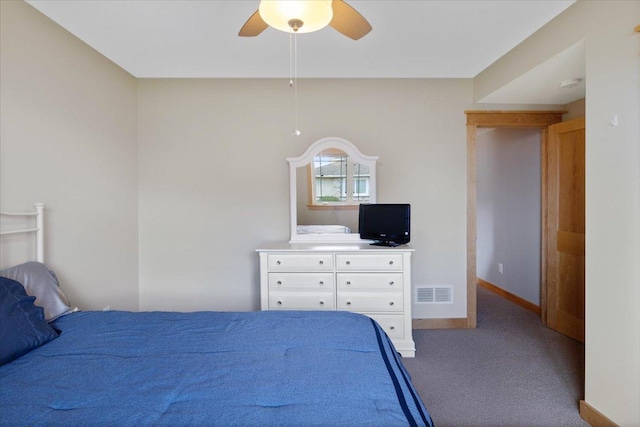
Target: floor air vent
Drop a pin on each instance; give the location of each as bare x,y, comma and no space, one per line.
434,294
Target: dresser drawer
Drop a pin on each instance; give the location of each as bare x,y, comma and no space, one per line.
369,261
392,324
361,301
311,281
377,281
313,262
296,301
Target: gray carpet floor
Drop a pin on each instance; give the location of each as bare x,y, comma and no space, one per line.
510,371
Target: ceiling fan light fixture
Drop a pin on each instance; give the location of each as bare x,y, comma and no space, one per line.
307,15
568,84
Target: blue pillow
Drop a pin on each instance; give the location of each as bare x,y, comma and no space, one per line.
22,324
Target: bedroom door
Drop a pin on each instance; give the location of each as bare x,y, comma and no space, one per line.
565,228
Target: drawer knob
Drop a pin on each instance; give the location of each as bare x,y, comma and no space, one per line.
321,302
279,302
348,263
278,262
321,282
390,262
348,302
321,262
348,282
391,283
279,282
391,303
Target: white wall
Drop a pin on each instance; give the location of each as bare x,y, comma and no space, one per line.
574,110
68,139
193,153
213,177
508,210
613,188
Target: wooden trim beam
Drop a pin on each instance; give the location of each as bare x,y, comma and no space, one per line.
594,417
455,323
511,297
471,227
494,119
513,119
544,201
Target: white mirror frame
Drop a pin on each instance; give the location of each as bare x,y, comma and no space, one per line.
307,158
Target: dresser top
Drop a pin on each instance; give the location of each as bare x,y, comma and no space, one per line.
329,247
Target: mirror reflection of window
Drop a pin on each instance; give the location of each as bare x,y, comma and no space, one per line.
361,180
327,184
338,180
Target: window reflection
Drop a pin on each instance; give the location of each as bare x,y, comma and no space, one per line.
338,180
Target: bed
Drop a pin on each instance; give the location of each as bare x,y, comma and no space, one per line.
323,229
284,368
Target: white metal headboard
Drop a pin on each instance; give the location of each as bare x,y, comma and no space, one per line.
39,229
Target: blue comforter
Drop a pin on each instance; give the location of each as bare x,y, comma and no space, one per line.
211,368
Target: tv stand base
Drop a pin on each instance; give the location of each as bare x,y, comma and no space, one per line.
387,244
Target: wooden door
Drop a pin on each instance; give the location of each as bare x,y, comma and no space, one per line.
565,228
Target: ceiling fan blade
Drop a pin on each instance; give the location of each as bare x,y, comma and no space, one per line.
348,21
254,26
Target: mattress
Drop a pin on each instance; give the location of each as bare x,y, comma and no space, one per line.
323,229
212,368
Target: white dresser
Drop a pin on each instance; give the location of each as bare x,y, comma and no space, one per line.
358,277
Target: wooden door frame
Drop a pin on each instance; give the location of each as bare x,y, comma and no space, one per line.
501,119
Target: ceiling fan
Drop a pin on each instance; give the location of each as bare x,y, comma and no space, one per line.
305,16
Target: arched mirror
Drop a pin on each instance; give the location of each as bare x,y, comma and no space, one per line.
327,184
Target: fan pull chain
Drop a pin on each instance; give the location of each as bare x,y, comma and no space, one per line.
293,76
291,59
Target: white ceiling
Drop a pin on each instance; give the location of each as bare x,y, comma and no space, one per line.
410,39
541,85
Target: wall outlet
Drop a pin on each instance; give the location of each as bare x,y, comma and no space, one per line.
500,268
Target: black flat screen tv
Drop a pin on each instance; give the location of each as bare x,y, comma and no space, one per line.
386,224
